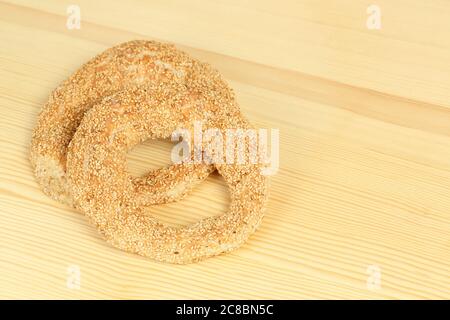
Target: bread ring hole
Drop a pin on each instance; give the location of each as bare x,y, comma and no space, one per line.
151,154
209,198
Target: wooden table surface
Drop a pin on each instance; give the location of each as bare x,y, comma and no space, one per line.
360,207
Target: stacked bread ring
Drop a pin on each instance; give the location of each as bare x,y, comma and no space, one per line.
127,94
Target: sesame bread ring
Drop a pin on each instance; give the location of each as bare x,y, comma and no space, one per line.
101,186
135,63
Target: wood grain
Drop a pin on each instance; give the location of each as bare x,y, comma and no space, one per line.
364,119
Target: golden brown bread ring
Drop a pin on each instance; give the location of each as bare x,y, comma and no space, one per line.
101,186
135,63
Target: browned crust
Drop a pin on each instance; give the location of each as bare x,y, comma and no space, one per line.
130,64
102,188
